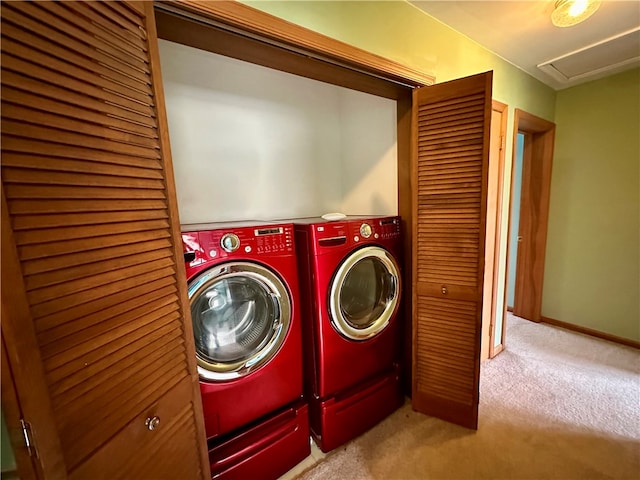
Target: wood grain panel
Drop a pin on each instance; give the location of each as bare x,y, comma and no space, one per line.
40,102
121,16
77,27
56,135
18,207
147,355
60,151
127,36
26,59
29,25
118,397
61,288
171,441
25,83
85,178
176,428
66,377
18,112
45,177
57,234
451,158
86,322
15,64
108,30
85,445
88,271
60,304
48,264
43,250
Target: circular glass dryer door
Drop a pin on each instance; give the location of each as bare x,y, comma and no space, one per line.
241,314
364,293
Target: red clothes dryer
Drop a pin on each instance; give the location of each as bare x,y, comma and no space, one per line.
350,288
243,294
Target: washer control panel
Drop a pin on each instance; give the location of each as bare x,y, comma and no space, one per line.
237,242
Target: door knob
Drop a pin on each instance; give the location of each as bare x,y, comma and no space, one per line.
444,290
152,422
519,238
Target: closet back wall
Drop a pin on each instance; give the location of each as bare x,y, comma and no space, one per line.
253,143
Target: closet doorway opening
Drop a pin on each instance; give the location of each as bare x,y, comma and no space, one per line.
537,140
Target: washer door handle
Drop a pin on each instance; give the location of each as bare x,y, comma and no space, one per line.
276,305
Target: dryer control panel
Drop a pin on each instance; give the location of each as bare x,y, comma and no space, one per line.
374,229
355,231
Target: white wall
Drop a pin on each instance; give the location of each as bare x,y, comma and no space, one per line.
369,154
252,143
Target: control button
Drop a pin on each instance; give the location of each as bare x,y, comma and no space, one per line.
356,238
230,242
213,253
366,230
377,236
247,249
321,229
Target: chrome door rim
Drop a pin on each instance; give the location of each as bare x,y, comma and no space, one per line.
337,319
219,371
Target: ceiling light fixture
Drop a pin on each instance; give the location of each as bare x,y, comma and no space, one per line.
567,13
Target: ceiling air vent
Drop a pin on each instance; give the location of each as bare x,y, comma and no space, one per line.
609,56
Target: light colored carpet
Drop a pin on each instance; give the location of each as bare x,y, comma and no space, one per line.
554,405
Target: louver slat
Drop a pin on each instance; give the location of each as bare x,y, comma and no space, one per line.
51,91
112,126
451,123
92,226
83,323
149,354
67,261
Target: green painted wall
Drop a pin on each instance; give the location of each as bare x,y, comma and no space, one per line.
592,270
399,31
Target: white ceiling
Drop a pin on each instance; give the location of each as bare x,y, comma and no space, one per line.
521,32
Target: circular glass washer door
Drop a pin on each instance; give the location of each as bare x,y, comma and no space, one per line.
364,293
241,313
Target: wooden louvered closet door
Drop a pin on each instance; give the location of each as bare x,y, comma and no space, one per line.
95,319
451,124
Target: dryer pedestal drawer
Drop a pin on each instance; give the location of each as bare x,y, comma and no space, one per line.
339,419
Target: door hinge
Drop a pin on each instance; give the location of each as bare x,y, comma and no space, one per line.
502,143
28,437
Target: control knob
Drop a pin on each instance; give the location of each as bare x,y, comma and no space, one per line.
230,242
365,230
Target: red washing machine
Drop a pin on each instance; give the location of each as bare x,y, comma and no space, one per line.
243,293
350,287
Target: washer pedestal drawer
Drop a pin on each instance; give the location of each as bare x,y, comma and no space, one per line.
266,450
